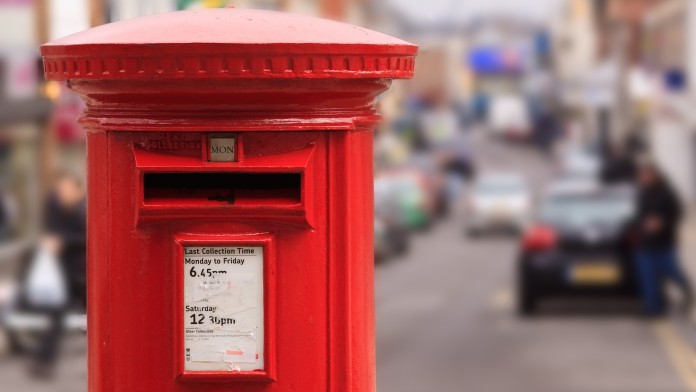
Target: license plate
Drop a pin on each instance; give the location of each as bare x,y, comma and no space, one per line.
601,274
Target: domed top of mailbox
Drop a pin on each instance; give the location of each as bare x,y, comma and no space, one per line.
227,43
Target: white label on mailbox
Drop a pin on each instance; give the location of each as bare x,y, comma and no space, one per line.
222,148
223,308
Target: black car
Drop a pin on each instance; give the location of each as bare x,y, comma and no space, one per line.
580,246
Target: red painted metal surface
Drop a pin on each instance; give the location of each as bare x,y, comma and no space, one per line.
298,93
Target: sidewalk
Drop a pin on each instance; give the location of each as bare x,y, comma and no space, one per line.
682,349
677,333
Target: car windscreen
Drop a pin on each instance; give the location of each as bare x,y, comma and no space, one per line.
498,188
583,210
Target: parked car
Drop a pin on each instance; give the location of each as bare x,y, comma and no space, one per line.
580,161
390,239
509,117
570,184
391,233
499,202
580,246
409,191
433,177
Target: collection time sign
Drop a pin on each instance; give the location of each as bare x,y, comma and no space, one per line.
223,308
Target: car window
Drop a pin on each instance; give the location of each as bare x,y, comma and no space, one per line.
584,210
499,186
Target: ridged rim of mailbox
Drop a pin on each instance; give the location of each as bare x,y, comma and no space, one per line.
396,66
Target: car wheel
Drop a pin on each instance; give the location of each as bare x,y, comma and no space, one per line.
473,232
401,242
516,231
526,304
442,209
526,298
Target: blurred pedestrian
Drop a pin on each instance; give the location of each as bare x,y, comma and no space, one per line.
635,143
658,216
8,215
4,219
65,236
618,166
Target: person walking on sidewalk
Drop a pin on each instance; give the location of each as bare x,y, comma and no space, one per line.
657,223
66,237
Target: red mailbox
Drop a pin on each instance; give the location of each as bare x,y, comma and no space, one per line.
230,198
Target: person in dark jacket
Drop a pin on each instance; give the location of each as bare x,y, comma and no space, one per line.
657,229
66,231
4,218
618,167
66,237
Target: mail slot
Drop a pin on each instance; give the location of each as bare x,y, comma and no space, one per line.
230,198
231,189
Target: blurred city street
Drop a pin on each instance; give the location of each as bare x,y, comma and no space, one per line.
446,319
534,189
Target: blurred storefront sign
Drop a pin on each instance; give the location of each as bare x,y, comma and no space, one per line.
189,4
542,44
493,60
65,112
675,80
19,75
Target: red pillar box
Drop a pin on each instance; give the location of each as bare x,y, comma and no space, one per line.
230,198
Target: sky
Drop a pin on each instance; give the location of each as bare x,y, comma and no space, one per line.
453,11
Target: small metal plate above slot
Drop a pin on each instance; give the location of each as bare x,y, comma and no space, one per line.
222,148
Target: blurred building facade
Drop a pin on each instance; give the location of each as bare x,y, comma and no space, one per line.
597,44
643,53
670,41
25,134
575,33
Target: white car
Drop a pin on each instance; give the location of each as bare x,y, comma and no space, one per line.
579,161
499,201
509,117
573,184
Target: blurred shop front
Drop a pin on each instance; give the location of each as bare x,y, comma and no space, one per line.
670,41
25,114
603,68
22,138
